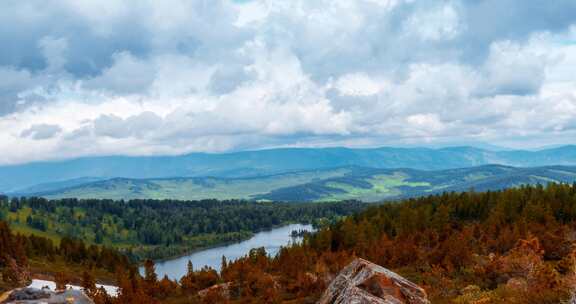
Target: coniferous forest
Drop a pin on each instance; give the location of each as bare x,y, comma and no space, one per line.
509,246
159,229
21,255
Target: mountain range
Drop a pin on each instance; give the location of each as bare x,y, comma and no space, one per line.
15,178
358,183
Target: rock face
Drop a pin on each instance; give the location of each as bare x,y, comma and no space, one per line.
45,296
363,282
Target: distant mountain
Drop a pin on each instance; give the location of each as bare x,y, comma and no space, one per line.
274,161
59,185
367,184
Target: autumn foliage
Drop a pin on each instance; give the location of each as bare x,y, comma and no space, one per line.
509,246
18,252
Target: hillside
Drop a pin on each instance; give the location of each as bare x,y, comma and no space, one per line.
366,184
69,260
510,246
273,161
160,229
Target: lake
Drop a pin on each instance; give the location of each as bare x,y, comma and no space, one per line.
272,240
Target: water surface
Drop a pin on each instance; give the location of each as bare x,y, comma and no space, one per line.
271,240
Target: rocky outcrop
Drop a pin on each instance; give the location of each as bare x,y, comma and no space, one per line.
363,282
46,296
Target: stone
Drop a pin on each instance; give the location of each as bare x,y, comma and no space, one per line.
25,294
45,296
363,282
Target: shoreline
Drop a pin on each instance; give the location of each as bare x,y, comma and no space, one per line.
198,249
140,264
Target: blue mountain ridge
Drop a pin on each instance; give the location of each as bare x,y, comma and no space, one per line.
273,161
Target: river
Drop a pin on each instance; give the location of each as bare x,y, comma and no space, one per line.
272,240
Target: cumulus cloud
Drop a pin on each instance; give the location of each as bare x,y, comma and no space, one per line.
41,131
358,84
134,126
179,76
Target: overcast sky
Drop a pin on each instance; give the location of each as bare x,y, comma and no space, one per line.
81,78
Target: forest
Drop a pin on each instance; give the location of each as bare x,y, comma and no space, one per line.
509,246
160,228
20,256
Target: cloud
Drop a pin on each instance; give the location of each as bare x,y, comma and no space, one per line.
134,126
41,131
440,23
177,76
127,75
514,70
54,52
358,84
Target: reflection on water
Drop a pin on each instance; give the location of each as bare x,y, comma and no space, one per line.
271,240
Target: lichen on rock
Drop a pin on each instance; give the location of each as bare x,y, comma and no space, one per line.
363,282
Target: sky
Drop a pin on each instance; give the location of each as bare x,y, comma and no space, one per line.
94,77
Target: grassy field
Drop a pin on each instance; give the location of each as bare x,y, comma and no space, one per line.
26,230
381,186
195,188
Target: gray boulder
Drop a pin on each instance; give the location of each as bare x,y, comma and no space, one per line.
363,282
46,296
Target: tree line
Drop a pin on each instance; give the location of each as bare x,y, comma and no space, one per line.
20,253
509,246
162,228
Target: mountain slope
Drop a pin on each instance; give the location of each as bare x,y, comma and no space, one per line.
266,162
191,188
51,186
367,184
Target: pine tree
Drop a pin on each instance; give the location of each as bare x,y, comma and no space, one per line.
190,268
150,272
224,264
